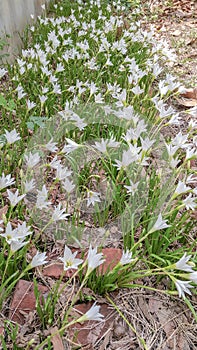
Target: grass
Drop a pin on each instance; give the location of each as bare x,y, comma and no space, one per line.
81,141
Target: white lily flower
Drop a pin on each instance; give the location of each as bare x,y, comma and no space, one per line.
9,234
94,259
30,105
14,198
127,158
51,146
92,197
23,230
69,260
62,173
29,185
6,181
193,276
12,136
55,163
39,259
18,244
3,71
1,229
70,146
146,143
59,214
132,188
68,185
93,314
189,202
159,224
190,153
181,188
183,287
41,200
32,159
126,258
191,179
182,263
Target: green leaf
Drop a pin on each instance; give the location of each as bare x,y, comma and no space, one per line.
30,125
11,105
2,101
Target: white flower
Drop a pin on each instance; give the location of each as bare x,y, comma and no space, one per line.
70,146
12,136
55,163
182,263
10,234
51,146
41,201
171,149
1,229
190,153
92,197
191,179
6,181
68,185
17,234
38,259
189,202
94,259
181,188
193,276
21,92
175,119
14,198
183,287
180,141
23,230
58,213
32,159
43,98
69,260
146,143
159,224
113,143
18,244
102,146
29,185
62,173
127,159
93,314
3,71
126,258
30,105
132,188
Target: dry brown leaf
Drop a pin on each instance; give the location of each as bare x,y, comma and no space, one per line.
187,102
56,339
190,93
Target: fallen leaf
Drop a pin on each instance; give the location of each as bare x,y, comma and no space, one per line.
112,257
187,102
56,339
24,300
190,94
88,333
